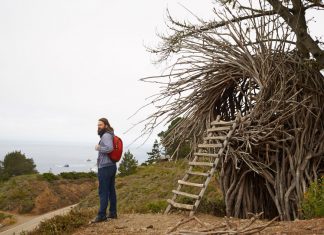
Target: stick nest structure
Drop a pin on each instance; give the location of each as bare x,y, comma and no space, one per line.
251,67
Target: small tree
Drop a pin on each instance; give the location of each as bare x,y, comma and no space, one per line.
16,163
155,154
128,164
3,175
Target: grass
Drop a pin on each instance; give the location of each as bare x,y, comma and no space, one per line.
147,190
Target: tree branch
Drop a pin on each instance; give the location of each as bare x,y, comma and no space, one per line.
293,20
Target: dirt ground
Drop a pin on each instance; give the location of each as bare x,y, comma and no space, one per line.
160,224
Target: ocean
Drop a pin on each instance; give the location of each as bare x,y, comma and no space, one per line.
60,157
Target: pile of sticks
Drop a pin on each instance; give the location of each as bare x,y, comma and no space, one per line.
250,67
227,227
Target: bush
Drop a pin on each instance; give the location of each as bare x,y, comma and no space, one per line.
313,202
64,224
49,177
77,175
26,206
6,219
4,216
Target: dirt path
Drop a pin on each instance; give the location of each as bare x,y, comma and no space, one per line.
20,219
159,224
29,222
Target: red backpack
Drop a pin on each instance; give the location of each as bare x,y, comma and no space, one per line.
116,154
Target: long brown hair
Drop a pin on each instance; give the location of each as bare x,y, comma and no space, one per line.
105,121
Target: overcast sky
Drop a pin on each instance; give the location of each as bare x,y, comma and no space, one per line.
66,63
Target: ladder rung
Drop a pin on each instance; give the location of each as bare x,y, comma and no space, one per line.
181,205
221,142
223,128
201,164
210,145
222,123
185,194
197,173
190,184
215,138
206,154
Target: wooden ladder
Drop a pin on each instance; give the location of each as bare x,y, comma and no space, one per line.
208,155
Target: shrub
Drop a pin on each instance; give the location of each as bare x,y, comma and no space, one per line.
313,202
157,206
49,177
64,224
19,193
6,219
77,175
4,216
27,205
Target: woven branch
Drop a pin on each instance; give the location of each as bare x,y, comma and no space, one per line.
250,67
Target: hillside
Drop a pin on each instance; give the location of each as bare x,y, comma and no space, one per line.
34,194
141,197
146,191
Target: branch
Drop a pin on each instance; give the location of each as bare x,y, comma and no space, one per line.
320,5
301,32
214,25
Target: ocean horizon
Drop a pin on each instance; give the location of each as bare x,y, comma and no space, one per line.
55,156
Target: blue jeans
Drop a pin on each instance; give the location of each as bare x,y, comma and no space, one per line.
107,191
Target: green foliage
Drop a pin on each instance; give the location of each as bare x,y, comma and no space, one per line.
26,206
64,224
157,206
213,204
155,154
50,177
184,148
77,175
15,163
128,164
313,202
